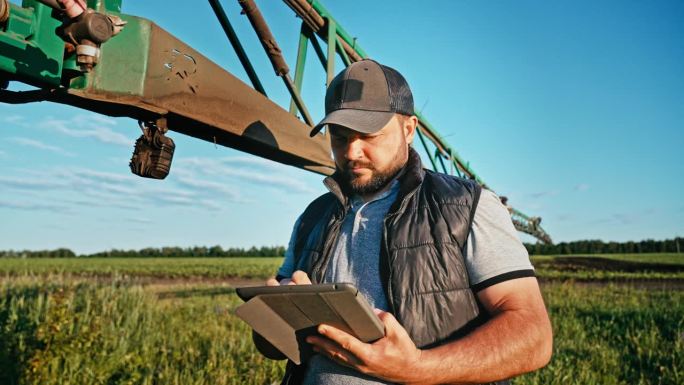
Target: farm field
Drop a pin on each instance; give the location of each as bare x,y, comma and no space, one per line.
242,267
170,321
611,267
579,267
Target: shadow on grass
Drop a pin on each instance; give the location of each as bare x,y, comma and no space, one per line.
18,340
578,263
211,292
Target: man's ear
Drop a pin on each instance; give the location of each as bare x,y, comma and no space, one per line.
409,128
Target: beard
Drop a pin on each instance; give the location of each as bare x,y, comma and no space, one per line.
379,179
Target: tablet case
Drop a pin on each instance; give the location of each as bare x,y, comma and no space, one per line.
286,315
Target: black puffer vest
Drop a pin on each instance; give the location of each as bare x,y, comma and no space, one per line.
421,258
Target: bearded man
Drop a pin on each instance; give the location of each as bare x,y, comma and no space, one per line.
436,255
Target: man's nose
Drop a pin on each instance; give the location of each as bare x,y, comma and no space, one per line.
354,148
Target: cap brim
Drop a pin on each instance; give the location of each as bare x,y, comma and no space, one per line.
367,122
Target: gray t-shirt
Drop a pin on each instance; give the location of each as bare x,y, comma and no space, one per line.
493,254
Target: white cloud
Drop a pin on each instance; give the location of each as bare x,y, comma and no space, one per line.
32,183
251,161
277,176
582,187
101,176
126,188
208,185
40,145
93,188
626,218
176,200
139,220
542,194
101,187
13,119
94,118
91,126
106,200
32,206
209,204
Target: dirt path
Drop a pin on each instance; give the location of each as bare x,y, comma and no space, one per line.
581,263
167,287
644,284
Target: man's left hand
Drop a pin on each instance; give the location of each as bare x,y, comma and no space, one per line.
393,357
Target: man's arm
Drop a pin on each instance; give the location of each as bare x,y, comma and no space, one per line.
517,339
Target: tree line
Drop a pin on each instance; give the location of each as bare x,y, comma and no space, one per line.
675,245
596,246
169,252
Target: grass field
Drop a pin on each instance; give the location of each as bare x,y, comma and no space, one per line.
244,267
60,324
582,267
611,267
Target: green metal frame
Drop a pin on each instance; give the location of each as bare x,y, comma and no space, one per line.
29,48
301,62
340,31
317,48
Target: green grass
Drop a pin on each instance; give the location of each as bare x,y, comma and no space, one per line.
613,335
606,267
59,330
243,267
58,325
87,333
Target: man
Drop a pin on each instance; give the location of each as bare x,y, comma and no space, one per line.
436,255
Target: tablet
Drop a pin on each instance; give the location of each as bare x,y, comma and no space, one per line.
286,315
246,293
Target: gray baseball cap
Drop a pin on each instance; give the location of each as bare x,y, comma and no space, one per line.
365,96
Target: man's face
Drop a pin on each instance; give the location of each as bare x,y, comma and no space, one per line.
369,161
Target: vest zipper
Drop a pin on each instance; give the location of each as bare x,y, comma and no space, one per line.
384,254
387,270
322,263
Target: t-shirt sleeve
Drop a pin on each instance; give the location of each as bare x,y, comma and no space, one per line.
494,252
288,266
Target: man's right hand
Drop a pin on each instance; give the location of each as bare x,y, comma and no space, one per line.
298,278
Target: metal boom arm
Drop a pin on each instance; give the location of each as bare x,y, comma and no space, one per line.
147,74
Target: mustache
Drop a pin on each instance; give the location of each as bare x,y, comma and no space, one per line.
357,163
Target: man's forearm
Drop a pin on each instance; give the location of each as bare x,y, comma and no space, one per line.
511,343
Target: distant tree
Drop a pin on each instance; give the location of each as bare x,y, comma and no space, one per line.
596,246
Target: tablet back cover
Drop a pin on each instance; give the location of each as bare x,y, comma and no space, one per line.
286,320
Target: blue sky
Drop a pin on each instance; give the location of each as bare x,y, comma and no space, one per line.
574,110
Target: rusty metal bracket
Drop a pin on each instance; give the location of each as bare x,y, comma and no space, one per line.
147,73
